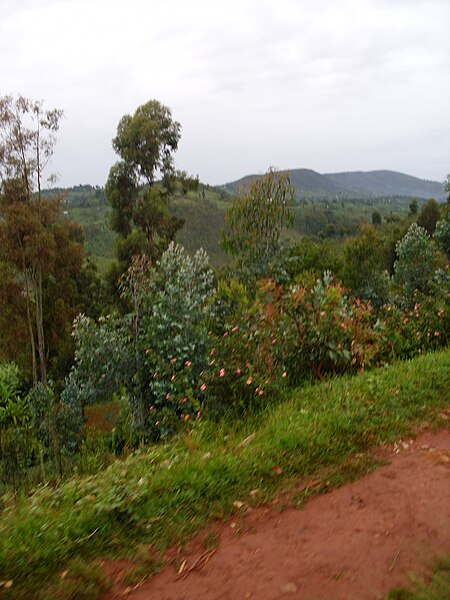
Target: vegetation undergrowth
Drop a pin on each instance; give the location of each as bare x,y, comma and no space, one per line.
163,494
436,588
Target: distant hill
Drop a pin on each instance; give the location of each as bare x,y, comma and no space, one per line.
355,184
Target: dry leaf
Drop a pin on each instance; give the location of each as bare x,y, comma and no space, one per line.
182,567
247,440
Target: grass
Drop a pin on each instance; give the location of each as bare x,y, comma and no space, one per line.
164,494
436,588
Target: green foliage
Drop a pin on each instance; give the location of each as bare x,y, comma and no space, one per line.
242,376
164,494
423,327
365,266
35,429
415,264
292,335
145,142
174,336
376,218
256,219
308,259
324,332
442,236
413,207
102,361
10,382
155,352
29,233
429,216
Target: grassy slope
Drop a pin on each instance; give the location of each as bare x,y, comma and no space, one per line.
166,493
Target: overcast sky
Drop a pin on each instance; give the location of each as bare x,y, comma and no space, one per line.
323,84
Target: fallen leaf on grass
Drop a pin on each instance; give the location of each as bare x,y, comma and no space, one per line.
6,584
276,469
247,440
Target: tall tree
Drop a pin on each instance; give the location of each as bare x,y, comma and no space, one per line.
145,142
429,216
31,235
256,219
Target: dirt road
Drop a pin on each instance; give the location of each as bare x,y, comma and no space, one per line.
356,542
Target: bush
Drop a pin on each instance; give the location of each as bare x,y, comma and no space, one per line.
157,351
442,237
304,333
36,431
415,264
327,333
423,327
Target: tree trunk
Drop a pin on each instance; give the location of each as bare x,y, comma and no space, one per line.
40,327
30,330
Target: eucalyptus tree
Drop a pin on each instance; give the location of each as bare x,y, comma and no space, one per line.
140,184
256,219
34,241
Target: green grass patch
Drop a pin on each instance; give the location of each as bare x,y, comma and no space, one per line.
164,494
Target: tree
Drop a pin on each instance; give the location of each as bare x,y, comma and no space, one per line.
33,239
442,236
413,207
365,270
447,188
429,216
376,218
415,264
256,219
146,142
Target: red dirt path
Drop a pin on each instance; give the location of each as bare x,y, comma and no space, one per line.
356,542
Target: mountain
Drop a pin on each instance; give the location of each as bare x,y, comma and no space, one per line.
387,183
353,184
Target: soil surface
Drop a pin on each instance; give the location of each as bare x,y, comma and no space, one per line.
355,542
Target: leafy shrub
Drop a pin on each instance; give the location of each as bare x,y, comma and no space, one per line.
327,333
157,351
174,336
415,264
299,334
423,327
16,444
442,236
35,428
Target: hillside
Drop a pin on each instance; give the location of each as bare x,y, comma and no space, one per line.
355,184
387,183
204,214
